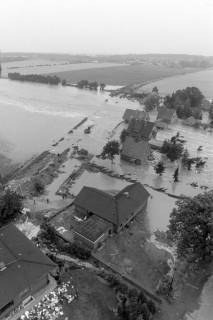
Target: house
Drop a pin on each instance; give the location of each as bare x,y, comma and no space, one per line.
136,114
191,121
135,151
135,147
24,271
103,212
206,105
141,129
165,116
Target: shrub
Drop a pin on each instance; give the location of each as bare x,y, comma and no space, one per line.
37,187
173,151
10,206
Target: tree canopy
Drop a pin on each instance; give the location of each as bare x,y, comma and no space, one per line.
35,78
10,206
191,227
151,101
173,150
111,149
187,102
159,168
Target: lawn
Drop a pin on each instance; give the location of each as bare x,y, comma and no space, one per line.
121,75
95,300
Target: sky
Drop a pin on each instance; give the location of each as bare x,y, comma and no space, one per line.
107,26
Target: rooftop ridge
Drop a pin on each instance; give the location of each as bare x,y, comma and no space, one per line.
103,192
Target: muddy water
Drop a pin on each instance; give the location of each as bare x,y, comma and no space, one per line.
33,115
202,79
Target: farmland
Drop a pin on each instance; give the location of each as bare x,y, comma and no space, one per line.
121,75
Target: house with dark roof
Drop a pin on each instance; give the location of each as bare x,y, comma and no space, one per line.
141,129
165,116
136,114
135,147
24,271
104,212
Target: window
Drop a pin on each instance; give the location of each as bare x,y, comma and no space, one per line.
7,306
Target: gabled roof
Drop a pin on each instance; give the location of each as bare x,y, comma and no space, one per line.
137,114
140,128
24,264
98,202
165,114
112,208
133,149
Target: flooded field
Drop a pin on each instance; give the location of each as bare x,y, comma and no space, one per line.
202,79
40,66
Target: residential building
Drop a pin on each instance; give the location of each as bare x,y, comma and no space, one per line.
191,121
102,212
136,114
24,271
165,116
135,147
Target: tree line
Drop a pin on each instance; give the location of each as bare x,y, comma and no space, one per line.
85,84
35,78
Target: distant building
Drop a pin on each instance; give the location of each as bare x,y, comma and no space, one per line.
165,116
24,270
136,114
135,147
191,121
104,212
206,105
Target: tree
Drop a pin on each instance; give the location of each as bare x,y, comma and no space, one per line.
10,206
102,86
172,150
176,175
187,102
211,111
82,84
191,227
185,157
38,187
151,101
159,168
155,89
93,85
111,149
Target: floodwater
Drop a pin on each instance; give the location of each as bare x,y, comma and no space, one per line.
33,115
202,79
